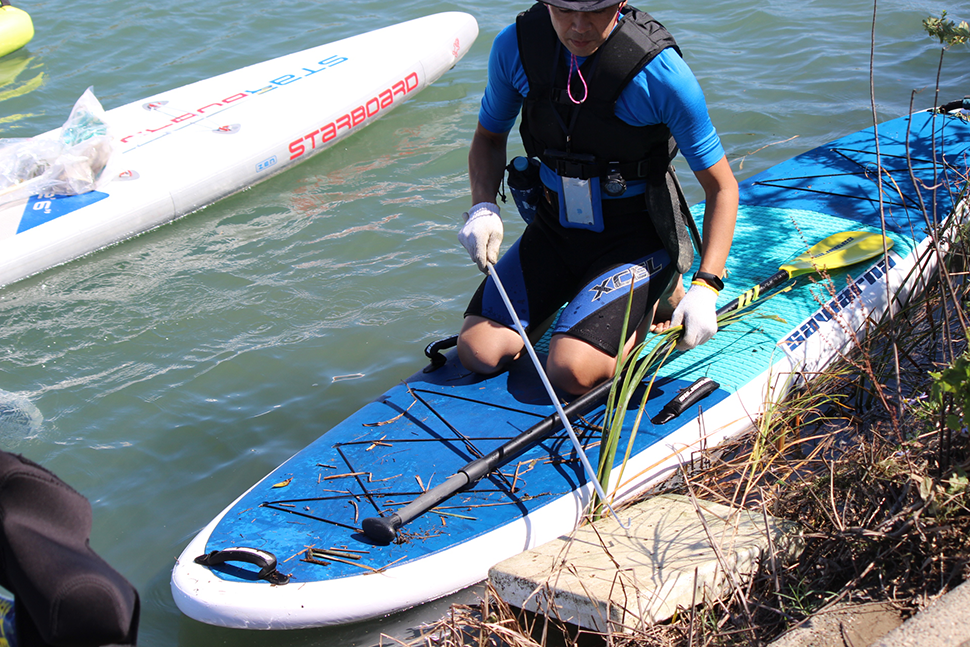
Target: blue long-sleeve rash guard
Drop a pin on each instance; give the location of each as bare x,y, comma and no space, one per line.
664,92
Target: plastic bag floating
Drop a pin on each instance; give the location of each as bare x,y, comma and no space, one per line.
74,159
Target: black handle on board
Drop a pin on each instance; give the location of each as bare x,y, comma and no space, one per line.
265,560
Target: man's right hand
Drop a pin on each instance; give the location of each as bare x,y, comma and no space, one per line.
482,234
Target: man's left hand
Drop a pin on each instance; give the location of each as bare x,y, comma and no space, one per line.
697,313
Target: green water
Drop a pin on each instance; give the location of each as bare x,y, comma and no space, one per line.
176,369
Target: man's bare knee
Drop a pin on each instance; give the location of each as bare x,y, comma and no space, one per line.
571,381
486,347
477,361
576,367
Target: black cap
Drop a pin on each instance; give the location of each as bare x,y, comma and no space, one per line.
581,5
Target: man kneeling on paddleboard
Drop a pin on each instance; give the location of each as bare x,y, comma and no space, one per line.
604,95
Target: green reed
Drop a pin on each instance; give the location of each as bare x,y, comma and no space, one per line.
632,369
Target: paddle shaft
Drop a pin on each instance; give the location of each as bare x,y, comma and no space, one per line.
752,294
384,529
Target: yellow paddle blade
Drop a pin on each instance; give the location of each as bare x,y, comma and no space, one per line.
838,250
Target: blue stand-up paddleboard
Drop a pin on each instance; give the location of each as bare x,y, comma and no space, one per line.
291,552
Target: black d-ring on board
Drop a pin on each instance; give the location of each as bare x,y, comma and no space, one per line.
265,560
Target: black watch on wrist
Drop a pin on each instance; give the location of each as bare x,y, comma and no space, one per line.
712,280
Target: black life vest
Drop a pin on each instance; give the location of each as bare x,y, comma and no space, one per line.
598,141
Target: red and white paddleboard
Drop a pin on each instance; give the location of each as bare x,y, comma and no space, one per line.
186,148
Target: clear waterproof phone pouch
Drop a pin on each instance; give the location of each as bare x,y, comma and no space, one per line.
581,204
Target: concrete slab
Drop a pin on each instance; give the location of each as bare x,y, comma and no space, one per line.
675,554
845,624
944,623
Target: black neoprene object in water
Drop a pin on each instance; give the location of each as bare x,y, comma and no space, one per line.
64,593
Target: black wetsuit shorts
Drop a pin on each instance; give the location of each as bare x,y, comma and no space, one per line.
591,272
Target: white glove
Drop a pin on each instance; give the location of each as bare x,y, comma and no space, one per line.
482,233
697,312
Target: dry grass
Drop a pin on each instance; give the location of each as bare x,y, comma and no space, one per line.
872,472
